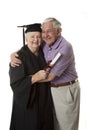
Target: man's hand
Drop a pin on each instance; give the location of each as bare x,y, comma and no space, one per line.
14,60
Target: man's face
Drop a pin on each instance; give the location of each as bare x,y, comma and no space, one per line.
49,34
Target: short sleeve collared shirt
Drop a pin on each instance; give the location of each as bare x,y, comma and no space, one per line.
64,68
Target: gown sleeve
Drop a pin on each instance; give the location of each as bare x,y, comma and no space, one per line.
20,84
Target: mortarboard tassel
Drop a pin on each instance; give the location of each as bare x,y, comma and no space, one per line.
23,34
23,37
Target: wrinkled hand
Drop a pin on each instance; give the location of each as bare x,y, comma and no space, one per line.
14,59
40,75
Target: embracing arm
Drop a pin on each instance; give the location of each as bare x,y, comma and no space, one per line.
15,61
49,77
18,78
22,84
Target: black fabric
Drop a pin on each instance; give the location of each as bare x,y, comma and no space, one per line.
33,28
32,104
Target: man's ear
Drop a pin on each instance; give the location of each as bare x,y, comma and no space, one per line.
59,31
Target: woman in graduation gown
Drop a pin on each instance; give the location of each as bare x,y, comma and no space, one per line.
32,102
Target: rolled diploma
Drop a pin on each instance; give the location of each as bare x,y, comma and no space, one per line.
55,59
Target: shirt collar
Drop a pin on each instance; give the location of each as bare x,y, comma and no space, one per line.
56,44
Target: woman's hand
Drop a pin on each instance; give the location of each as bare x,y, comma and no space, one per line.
40,75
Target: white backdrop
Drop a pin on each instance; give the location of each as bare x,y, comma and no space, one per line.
73,16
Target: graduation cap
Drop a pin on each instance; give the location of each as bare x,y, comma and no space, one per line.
36,27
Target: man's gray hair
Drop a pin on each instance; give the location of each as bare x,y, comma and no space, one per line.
56,23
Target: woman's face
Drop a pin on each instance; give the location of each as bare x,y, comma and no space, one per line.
33,40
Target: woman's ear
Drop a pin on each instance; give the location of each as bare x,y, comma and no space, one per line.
26,39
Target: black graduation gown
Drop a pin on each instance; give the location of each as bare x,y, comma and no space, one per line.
32,104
